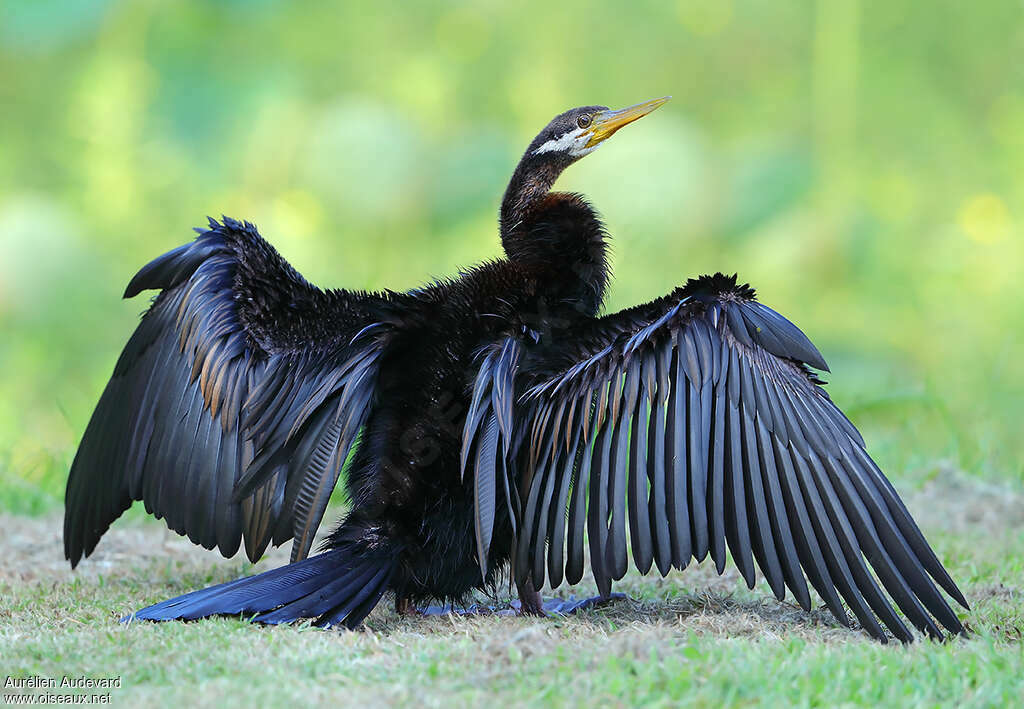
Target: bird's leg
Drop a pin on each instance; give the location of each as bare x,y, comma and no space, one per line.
405,607
530,602
572,605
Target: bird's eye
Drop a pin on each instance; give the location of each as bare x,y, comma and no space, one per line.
584,121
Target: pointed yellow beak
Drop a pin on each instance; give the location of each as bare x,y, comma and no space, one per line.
607,122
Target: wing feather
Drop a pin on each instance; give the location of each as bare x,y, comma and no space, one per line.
702,429
559,510
658,462
639,517
219,386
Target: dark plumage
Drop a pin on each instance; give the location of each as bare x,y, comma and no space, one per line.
499,421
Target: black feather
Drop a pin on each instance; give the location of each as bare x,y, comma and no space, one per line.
699,415
716,513
779,516
676,458
737,526
804,534
597,510
559,510
578,507
694,420
762,542
616,558
485,489
658,463
639,517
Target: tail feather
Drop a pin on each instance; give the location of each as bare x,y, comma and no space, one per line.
322,600
361,610
337,587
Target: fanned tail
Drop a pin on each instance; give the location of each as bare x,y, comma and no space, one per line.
337,587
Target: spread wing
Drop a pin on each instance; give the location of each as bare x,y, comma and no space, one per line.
696,424
234,404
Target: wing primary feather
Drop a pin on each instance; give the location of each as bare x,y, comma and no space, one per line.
901,572
509,492
804,535
852,549
779,517
793,437
578,508
89,510
217,468
530,556
617,560
737,525
163,418
540,437
911,531
676,458
597,513
539,433
559,511
762,544
716,479
699,446
657,465
834,439
832,549
149,410
639,522
199,475
228,516
810,427
841,419
165,500
764,405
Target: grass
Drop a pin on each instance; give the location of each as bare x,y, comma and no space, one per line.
693,638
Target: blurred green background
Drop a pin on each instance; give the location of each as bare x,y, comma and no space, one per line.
860,163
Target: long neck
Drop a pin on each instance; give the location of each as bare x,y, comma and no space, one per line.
554,235
530,183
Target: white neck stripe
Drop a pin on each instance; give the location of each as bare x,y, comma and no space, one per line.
574,142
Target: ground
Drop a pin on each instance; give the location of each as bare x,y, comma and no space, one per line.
693,638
